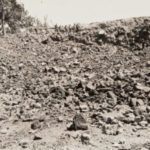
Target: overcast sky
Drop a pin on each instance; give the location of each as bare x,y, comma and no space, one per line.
86,11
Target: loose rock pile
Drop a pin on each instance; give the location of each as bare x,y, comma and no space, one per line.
102,72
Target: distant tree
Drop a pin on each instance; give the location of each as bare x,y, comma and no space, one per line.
14,15
2,16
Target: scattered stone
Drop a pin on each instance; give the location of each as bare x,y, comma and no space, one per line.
75,50
110,129
45,41
36,105
148,64
75,135
90,86
108,119
70,126
122,145
138,119
143,148
60,119
2,117
113,96
24,143
62,69
142,87
21,65
36,125
102,32
136,102
140,110
85,138
116,145
143,123
79,123
90,76
84,108
56,69
4,131
129,118
73,72
125,146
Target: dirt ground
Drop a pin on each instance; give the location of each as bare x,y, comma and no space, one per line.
100,71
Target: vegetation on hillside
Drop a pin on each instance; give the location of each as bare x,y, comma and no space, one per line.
15,15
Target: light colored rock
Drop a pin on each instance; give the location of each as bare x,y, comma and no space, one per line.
24,143
143,148
144,88
91,86
84,108
113,96
60,119
143,123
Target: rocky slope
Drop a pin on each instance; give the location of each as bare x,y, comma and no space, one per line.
100,70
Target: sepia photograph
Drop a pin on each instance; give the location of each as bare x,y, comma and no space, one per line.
74,74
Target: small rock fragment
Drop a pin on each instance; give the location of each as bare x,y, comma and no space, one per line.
79,123
37,137
60,119
35,125
45,41
148,64
113,96
143,148
129,118
75,135
75,50
4,131
24,143
90,76
20,65
56,69
84,108
110,129
85,138
143,123
136,102
142,87
90,86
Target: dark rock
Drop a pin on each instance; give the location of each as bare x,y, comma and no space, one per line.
45,41
24,143
85,138
36,125
110,129
148,64
37,137
79,123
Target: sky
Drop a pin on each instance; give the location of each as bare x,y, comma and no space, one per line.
85,11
